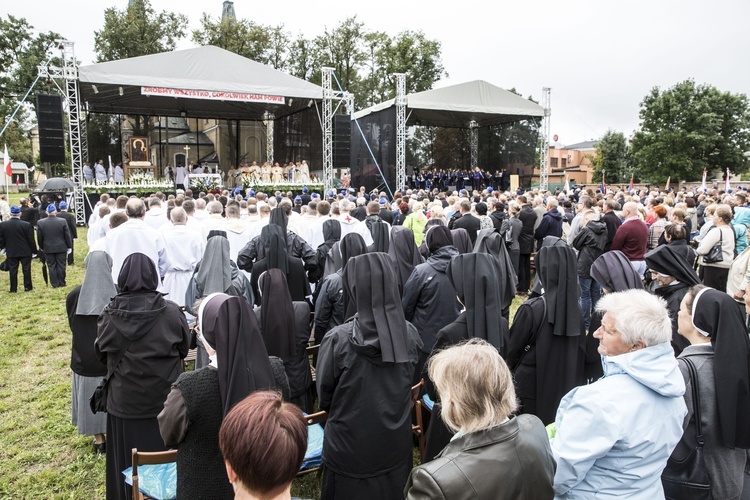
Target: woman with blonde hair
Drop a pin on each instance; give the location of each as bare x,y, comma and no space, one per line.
478,398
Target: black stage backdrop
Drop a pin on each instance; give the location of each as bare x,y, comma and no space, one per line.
379,130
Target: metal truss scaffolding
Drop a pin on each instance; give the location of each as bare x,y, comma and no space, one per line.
400,131
268,119
474,143
544,141
76,126
329,95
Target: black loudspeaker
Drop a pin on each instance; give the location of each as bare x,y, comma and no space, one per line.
49,115
342,140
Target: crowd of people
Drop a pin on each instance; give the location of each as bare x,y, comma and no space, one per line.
449,179
608,347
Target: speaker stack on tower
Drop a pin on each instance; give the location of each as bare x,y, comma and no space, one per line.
342,141
49,115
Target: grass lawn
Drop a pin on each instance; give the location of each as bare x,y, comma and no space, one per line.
41,454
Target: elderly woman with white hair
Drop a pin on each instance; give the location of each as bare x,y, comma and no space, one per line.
614,436
494,455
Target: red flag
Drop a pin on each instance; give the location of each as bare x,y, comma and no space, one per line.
17,181
6,162
632,183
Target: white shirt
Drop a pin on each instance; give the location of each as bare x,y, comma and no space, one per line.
135,236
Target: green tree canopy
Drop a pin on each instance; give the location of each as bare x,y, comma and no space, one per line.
688,128
611,157
137,30
22,49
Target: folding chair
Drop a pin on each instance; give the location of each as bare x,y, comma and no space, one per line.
417,427
314,438
149,458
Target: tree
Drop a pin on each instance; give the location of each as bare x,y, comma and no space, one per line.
342,49
22,50
137,30
688,128
240,36
611,157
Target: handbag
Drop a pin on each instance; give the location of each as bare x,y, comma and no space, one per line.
98,400
715,254
688,478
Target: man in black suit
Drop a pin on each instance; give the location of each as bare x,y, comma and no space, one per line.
17,238
71,220
28,213
54,239
385,213
526,244
468,221
612,221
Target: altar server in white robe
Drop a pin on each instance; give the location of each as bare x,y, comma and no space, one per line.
180,177
185,249
135,236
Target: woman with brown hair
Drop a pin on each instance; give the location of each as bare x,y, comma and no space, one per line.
263,463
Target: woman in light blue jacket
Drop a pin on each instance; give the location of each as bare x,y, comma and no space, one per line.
614,436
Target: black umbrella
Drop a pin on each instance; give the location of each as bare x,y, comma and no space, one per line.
56,184
44,267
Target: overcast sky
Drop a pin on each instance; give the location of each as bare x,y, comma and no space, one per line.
599,57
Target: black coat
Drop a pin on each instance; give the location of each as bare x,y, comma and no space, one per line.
29,214
368,432
470,223
551,225
612,222
299,288
159,340
54,235
552,366
83,358
71,220
17,238
429,297
297,366
526,240
590,242
386,215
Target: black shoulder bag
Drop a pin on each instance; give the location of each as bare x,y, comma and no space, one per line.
532,339
687,478
716,254
98,400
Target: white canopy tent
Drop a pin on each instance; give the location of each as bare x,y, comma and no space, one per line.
204,82
458,105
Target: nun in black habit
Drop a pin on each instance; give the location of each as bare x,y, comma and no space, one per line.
548,241
675,277
331,237
380,237
199,400
277,257
364,375
329,307
493,244
285,326
404,253
720,353
461,240
143,338
614,273
547,338
477,289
